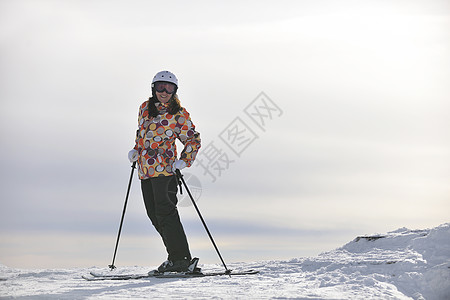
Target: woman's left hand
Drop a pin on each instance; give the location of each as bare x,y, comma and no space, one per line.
178,164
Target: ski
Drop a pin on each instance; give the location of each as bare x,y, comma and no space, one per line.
201,274
100,277
93,274
191,269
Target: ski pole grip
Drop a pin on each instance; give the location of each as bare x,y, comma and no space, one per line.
178,177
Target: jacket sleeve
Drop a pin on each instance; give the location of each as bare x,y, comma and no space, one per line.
189,137
142,113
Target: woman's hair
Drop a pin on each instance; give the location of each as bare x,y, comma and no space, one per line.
173,108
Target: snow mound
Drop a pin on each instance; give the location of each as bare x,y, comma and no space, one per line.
402,264
416,262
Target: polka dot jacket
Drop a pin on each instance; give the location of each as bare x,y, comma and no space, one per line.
155,141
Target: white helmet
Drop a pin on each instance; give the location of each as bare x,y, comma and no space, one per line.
165,76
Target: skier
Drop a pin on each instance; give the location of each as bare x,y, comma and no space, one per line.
161,121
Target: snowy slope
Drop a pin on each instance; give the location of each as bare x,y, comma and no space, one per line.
403,264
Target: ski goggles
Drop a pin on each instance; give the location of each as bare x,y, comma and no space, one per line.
161,86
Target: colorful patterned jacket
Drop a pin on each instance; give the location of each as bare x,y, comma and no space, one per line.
155,141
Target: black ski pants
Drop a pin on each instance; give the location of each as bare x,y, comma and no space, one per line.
160,198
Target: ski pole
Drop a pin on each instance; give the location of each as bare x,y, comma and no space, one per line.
180,176
112,266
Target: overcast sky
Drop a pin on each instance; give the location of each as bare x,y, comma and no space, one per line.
339,109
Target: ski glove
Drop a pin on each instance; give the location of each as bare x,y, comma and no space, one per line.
133,155
178,164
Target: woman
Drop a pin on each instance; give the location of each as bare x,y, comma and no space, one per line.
161,121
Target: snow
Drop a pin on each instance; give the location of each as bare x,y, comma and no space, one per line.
402,264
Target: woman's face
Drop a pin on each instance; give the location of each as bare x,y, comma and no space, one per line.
163,97
164,90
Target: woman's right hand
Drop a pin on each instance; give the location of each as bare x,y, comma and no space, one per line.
133,155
